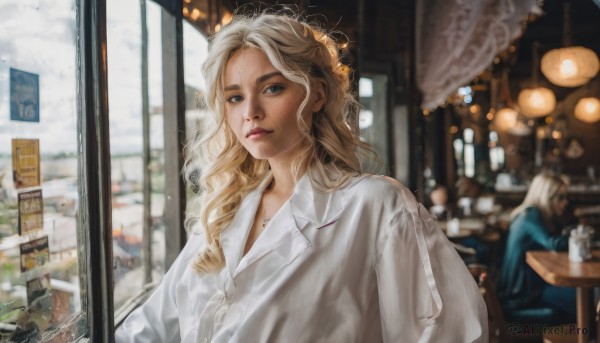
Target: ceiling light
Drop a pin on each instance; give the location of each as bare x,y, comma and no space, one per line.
570,66
536,101
588,110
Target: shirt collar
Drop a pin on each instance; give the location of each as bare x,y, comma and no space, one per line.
307,207
308,203
234,236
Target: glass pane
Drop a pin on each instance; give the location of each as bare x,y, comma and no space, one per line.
373,119
39,273
157,158
195,47
137,186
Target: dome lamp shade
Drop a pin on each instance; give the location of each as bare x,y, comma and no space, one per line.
570,66
506,118
536,102
588,110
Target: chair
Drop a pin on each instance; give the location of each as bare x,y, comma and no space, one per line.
497,324
558,338
501,331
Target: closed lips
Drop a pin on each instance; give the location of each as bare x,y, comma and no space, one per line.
257,131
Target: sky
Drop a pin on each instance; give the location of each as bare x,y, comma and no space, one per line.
39,37
42,44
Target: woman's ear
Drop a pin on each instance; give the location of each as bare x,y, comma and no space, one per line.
319,96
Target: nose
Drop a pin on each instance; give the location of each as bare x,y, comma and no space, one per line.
252,109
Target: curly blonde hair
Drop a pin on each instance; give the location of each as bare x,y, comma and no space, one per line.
304,54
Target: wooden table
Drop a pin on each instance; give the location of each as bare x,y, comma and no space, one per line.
556,269
467,227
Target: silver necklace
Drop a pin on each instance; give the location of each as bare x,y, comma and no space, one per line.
265,221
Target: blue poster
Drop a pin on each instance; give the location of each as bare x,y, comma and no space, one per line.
24,96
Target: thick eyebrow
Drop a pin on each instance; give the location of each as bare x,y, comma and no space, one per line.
259,80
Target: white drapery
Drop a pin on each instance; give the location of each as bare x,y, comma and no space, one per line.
457,39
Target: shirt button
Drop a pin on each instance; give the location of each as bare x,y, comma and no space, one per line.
203,340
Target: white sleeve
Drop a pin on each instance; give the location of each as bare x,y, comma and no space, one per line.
426,293
157,320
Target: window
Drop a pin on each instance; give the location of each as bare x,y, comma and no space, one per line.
496,152
469,152
136,144
373,118
195,47
40,284
61,207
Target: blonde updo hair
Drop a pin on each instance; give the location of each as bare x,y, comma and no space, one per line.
304,54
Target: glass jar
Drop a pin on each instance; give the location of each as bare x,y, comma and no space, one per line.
580,244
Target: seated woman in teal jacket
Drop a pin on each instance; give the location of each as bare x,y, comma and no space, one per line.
535,226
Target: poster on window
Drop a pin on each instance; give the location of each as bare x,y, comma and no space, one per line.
26,162
31,212
34,254
24,96
39,296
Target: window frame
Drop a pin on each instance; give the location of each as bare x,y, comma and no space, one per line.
94,172
174,129
94,169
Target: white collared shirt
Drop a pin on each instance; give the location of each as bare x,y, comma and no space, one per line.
365,263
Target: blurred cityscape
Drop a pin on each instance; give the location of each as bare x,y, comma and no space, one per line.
60,195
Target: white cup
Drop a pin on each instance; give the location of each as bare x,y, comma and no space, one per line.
453,227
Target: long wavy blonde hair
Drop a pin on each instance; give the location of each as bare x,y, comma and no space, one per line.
303,53
542,194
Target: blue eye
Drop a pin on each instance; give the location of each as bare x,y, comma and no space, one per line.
234,99
273,89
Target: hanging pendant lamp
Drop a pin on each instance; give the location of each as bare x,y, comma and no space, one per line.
588,110
536,101
570,66
507,116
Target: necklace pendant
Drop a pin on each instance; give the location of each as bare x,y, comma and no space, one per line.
265,222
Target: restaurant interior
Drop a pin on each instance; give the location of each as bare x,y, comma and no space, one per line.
464,102
485,89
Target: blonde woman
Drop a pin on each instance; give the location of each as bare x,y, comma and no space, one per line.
535,226
292,242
